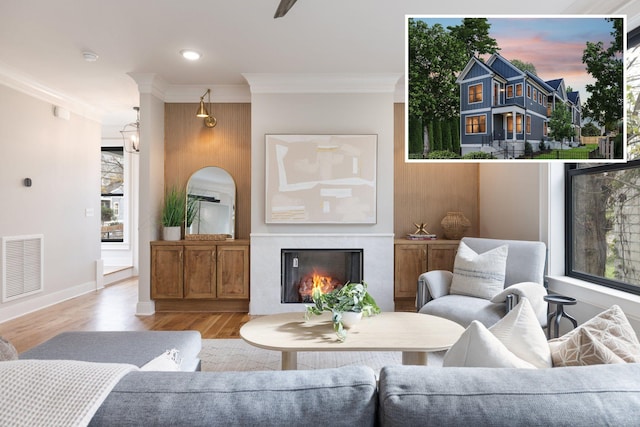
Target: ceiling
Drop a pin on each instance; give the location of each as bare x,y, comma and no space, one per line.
42,41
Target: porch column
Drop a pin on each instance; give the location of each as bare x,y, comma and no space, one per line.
514,122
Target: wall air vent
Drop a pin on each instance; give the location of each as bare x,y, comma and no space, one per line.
22,261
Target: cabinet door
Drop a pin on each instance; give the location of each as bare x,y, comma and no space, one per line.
199,272
233,272
410,262
166,272
441,257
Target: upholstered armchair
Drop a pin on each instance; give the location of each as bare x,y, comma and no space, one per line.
522,272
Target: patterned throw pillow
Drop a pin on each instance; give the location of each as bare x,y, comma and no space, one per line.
7,350
479,275
607,338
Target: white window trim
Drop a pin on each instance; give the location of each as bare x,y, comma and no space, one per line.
475,133
481,84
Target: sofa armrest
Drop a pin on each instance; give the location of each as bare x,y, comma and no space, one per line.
432,285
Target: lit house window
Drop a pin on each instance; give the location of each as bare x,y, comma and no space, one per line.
475,93
528,124
476,124
112,194
518,123
519,89
510,91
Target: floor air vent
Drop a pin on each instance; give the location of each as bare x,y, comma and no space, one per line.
22,258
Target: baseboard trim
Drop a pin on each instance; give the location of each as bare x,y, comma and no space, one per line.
41,301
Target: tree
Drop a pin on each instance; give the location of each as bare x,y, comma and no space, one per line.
590,129
437,135
454,123
446,136
605,65
524,66
434,58
474,35
560,123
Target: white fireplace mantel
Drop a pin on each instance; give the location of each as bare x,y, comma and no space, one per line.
266,264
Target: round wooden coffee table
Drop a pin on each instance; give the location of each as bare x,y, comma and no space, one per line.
413,334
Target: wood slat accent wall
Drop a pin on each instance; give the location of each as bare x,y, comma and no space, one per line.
425,192
190,146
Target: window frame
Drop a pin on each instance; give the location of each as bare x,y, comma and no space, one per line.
510,91
518,89
571,171
119,149
476,93
480,132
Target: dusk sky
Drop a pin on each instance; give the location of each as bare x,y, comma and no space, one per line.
553,45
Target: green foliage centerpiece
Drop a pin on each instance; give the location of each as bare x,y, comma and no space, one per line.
352,297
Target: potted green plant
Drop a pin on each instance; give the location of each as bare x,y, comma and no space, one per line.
351,298
173,213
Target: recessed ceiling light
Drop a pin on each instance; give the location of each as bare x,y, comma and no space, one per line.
90,56
189,54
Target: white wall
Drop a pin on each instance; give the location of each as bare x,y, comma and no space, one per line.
62,157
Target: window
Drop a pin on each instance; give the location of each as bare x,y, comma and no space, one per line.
528,124
510,91
518,123
528,91
112,192
545,128
475,93
535,95
476,124
519,89
603,224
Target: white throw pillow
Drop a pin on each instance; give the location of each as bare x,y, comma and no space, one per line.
479,275
170,360
478,347
521,333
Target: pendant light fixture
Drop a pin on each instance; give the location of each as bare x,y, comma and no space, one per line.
131,134
209,120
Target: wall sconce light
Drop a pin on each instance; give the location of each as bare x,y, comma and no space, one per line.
131,134
209,120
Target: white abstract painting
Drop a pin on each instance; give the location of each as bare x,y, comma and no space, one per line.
317,179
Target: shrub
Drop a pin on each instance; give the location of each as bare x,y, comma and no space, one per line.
478,155
541,146
528,149
443,154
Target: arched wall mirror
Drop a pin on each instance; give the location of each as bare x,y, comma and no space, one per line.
213,194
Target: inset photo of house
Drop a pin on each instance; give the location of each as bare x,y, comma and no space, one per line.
508,88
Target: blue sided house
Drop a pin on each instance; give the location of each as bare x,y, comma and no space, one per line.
502,107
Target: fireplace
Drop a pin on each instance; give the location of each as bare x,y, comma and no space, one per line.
327,269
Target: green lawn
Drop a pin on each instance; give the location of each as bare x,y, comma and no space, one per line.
574,153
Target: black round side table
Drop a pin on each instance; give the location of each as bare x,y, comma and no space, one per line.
560,301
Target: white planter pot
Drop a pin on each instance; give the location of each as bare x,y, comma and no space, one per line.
350,319
171,233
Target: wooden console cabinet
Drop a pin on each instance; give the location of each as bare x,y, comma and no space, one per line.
200,275
414,257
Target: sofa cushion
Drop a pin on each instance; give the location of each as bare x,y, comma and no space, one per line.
479,275
478,347
480,309
133,347
606,338
340,396
573,396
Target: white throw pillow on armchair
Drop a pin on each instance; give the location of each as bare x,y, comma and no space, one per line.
479,275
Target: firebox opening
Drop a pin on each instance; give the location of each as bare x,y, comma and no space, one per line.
327,269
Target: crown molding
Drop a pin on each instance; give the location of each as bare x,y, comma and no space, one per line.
219,93
322,83
150,83
23,83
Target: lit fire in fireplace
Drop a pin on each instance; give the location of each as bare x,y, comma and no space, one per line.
316,281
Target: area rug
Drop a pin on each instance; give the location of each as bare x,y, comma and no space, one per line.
237,355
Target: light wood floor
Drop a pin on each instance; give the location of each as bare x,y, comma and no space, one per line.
113,309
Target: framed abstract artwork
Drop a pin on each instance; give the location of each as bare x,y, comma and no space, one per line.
317,179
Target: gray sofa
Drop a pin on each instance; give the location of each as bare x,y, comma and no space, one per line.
404,395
